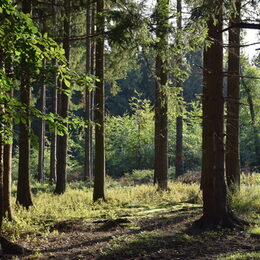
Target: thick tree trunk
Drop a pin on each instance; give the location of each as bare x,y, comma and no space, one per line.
23,185
88,173
161,120
214,190
233,90
99,180
179,120
62,141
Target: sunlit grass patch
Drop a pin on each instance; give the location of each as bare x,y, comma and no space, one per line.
246,202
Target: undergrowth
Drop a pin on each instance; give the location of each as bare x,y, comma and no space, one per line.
122,200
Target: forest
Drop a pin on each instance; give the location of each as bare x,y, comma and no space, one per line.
129,129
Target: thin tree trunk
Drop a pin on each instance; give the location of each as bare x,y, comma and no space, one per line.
41,174
99,180
1,179
23,185
62,142
233,95
161,120
7,177
179,120
53,153
88,101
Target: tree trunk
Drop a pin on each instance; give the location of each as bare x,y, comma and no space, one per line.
88,101
41,174
62,141
214,190
53,154
7,177
161,120
179,119
233,90
1,180
23,185
99,180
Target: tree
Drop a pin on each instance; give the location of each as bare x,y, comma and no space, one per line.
179,120
7,157
23,185
62,141
41,173
161,119
216,211
53,153
233,95
99,179
88,174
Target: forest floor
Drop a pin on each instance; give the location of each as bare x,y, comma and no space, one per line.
162,233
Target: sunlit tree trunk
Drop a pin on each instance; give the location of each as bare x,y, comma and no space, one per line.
161,120
233,95
23,185
99,180
62,142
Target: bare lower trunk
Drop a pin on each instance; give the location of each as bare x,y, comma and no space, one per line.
161,107
214,190
62,141
233,90
88,102
41,174
7,180
99,180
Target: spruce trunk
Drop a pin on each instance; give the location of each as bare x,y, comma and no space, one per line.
233,90
23,186
99,180
62,141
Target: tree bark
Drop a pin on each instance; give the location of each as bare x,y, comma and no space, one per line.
233,96
99,180
62,141
161,107
23,185
53,154
88,100
179,120
41,174
7,177
216,211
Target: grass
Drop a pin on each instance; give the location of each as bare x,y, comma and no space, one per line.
122,200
